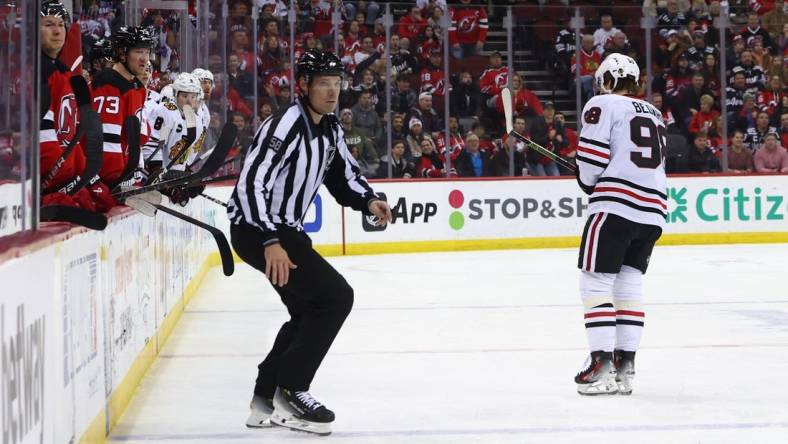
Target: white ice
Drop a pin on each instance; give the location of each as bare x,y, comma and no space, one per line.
481,347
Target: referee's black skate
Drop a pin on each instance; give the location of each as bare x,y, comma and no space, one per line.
599,376
625,370
260,413
300,411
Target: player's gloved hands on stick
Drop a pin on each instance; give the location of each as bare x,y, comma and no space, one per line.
277,265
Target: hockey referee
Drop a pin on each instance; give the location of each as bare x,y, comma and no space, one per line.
293,153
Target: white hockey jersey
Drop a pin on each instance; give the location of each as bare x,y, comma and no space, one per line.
621,156
168,126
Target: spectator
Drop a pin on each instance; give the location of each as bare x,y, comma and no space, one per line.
425,113
473,162
701,157
266,110
760,55
672,17
412,25
274,55
776,68
365,118
753,29
234,100
784,41
239,44
244,136
747,115
669,51
415,137
689,98
369,84
494,78
456,142
618,44
401,168
511,147
429,164
605,33
526,103
431,77
734,96
711,74
771,157
696,54
379,36
740,158
355,138
589,62
733,54
484,142
464,101
678,78
757,133
403,63
770,100
363,167
545,133
569,150
702,120
752,73
239,80
775,20
370,8
427,44
564,50
353,37
403,98
366,50
468,29
784,128
667,115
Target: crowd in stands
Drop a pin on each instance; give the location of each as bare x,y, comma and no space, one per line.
685,85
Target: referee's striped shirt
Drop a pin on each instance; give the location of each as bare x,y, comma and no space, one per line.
287,162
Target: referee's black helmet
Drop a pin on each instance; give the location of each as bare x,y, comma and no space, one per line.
315,62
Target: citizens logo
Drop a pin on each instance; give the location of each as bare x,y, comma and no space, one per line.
512,208
727,204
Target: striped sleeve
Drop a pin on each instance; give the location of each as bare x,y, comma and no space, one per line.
593,147
345,181
483,25
263,163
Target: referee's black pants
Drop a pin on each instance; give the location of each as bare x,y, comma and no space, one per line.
318,299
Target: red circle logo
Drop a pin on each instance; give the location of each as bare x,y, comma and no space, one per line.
456,198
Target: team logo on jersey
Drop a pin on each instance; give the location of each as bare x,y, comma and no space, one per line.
176,152
501,79
466,24
67,119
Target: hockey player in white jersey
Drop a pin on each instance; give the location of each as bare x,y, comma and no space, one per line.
205,78
174,128
620,159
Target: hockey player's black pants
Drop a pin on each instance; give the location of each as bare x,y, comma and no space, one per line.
318,299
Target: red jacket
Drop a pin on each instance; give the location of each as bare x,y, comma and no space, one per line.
493,79
769,101
700,118
431,80
114,99
410,28
468,25
524,100
588,63
59,124
429,166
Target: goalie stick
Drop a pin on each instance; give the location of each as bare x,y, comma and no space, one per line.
228,266
212,163
506,97
74,215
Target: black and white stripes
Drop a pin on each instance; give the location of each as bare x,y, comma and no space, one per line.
290,157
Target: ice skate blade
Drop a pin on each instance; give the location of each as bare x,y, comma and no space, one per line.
293,423
597,389
259,420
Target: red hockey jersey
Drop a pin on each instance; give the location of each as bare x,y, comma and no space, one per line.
114,99
468,25
59,124
432,81
493,80
525,103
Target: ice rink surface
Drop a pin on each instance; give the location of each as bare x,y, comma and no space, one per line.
481,347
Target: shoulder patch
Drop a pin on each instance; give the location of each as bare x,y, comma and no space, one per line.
170,106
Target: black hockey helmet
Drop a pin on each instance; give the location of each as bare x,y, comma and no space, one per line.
102,49
54,8
130,37
315,62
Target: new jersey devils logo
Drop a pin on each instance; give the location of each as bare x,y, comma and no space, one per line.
67,119
501,79
466,24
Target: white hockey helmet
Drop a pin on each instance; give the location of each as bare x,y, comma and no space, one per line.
167,94
203,74
619,66
186,82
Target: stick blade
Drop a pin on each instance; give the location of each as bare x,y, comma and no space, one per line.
506,97
74,215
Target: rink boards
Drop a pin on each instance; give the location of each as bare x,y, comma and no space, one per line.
84,314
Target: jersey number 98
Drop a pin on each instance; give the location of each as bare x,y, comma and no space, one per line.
656,140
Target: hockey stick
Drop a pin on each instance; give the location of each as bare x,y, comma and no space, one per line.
214,200
74,215
506,97
212,163
217,179
133,129
82,95
228,266
145,203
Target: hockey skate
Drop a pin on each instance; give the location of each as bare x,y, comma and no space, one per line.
260,414
599,376
300,411
625,370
